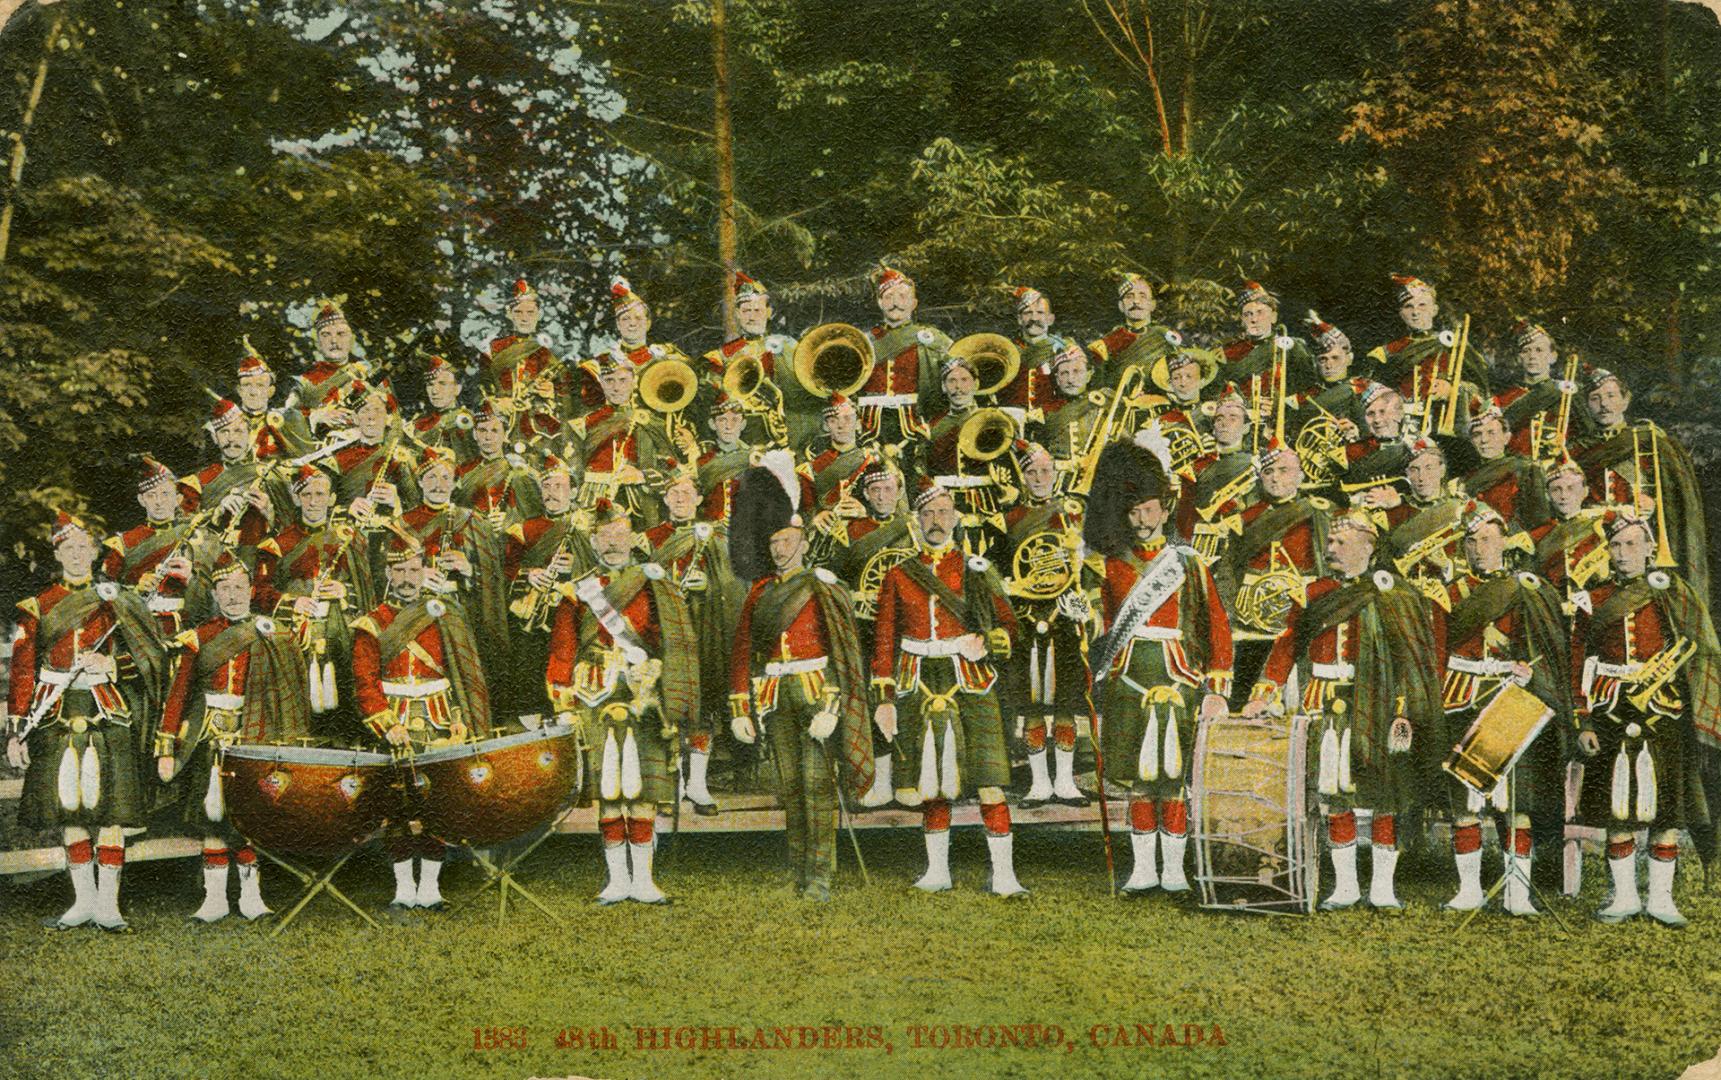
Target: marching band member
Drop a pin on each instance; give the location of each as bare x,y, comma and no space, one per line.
838,456
1335,393
375,470
695,554
903,387
1070,412
245,490
943,626
1250,359
239,679
540,553
1047,678
444,421
419,683
1504,626
1210,510
1571,547
1423,532
866,548
722,462
1511,483
1038,345
1139,341
624,664
1282,547
315,575
463,553
314,406
632,351
971,482
1165,656
1533,405
1367,657
1183,417
616,443
796,673
797,410
496,483
1639,465
158,558
1420,364
1648,697
254,387
522,371
1382,453
77,691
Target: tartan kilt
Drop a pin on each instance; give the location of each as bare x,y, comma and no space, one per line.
976,724
1123,724
122,797
657,754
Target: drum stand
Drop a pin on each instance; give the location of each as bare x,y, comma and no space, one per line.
500,874
1512,869
314,882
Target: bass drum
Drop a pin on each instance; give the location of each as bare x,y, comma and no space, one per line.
1254,841
492,791
306,800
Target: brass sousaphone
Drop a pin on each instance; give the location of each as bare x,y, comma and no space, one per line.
667,387
834,358
985,435
995,360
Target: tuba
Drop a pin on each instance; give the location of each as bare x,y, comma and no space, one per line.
985,435
834,358
745,381
668,387
995,358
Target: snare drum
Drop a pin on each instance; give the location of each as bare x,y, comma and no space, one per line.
492,791
306,799
1497,738
1254,847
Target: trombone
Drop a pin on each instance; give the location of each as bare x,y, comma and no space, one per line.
1088,461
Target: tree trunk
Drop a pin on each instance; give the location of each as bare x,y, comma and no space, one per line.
15,175
726,242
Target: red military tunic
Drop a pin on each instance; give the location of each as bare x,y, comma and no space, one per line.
803,644
271,578
586,674
1632,638
1558,566
166,597
229,678
253,526
1120,579
30,653
615,450
912,622
1297,542
422,664
1332,653
591,391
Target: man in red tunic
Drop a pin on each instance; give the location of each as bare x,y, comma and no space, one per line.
520,368
903,387
419,684
944,626
157,557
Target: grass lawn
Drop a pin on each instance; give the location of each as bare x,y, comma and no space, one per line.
1349,994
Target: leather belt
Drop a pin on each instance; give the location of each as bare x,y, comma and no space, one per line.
225,702
1158,633
931,646
1339,672
963,481
886,401
84,680
1492,669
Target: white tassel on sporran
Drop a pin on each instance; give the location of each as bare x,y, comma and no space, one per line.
316,682
1147,762
331,688
631,782
1645,785
90,778
213,808
928,786
1621,787
609,775
1327,776
1345,783
66,782
948,782
1498,796
1173,760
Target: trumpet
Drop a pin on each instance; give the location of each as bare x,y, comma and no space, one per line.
668,386
745,381
995,358
834,358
